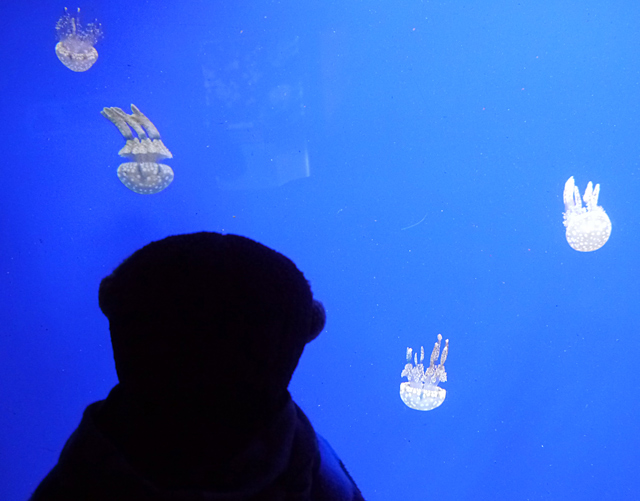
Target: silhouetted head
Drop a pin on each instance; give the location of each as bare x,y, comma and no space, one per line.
209,317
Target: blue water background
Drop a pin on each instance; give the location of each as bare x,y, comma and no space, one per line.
471,115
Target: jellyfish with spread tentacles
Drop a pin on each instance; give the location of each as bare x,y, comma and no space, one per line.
422,392
589,227
75,46
144,175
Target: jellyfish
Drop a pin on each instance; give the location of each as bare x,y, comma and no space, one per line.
422,392
588,228
144,175
75,47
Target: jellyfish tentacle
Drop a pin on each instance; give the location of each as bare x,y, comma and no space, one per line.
568,194
409,354
140,118
591,196
436,351
445,352
596,194
74,25
118,120
133,123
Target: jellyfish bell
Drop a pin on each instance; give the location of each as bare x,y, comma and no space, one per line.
75,48
76,55
145,178
422,399
421,392
588,227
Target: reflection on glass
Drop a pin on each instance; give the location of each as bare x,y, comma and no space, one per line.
255,108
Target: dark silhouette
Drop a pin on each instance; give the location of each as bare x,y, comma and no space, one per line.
207,330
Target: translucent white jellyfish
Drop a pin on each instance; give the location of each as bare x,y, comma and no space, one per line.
144,175
422,392
75,47
588,228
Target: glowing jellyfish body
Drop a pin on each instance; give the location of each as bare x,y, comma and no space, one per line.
422,392
75,47
589,227
145,175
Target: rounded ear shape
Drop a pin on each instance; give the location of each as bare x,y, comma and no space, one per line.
318,319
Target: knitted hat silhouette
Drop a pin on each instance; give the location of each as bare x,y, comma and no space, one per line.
209,316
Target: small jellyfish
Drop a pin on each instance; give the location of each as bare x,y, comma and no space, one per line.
75,47
588,228
422,392
144,175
